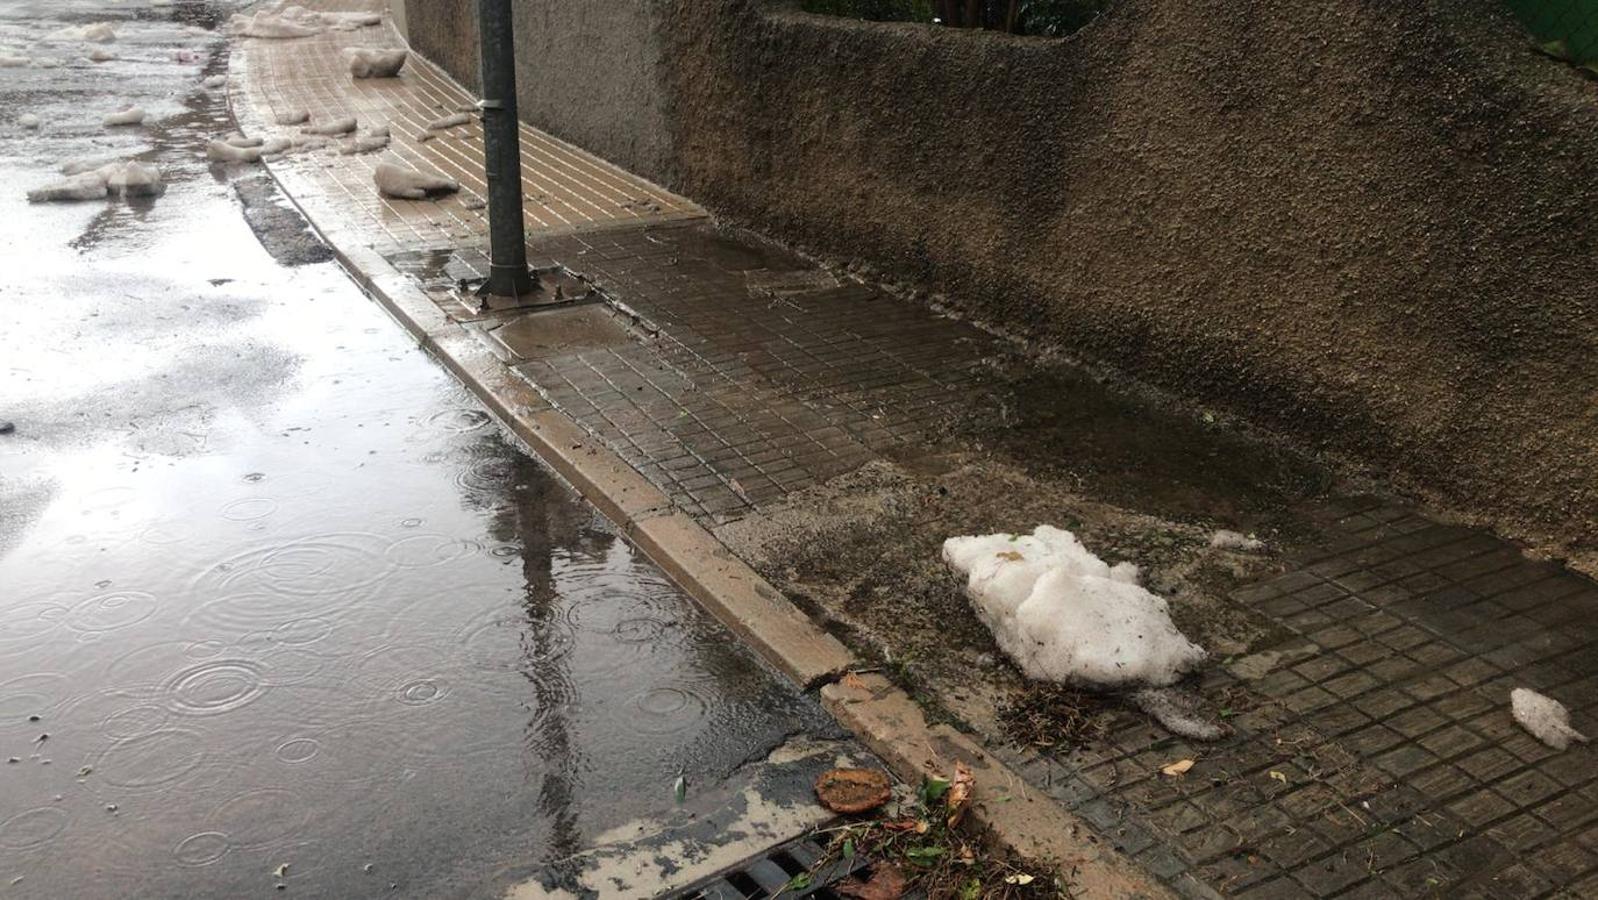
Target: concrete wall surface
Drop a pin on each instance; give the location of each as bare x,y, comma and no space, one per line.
1364,224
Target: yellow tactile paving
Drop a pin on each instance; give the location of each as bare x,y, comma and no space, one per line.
566,189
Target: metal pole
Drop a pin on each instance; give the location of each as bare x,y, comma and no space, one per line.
508,275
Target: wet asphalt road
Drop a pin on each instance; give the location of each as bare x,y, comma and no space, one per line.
274,591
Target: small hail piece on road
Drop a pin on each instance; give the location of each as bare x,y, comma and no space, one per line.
28,120
365,143
122,179
368,62
223,152
285,22
1236,540
331,128
1546,718
98,33
407,184
450,121
133,115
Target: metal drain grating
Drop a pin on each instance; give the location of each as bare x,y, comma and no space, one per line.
768,876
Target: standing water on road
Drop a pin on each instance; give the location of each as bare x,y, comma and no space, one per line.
279,605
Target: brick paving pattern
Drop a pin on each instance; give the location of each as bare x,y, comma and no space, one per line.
1377,758
754,373
566,188
1373,754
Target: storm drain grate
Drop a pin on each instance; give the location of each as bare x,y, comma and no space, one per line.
769,876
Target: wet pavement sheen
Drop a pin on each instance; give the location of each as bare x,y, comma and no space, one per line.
274,591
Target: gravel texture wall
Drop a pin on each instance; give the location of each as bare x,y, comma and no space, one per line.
1364,224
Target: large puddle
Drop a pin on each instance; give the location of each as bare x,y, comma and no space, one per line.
278,603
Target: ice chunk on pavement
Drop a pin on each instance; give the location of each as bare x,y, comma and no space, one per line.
123,179
276,146
1233,540
1546,718
7,61
406,184
88,164
349,21
46,62
266,25
366,143
293,117
133,115
222,151
215,82
331,129
132,179
98,33
449,121
368,62
1178,710
83,186
239,140
28,120
1065,615
100,54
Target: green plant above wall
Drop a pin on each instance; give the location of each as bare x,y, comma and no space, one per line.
1567,29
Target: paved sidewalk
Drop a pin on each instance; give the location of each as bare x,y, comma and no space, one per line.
1373,753
566,189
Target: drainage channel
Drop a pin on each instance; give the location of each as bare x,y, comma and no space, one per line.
779,873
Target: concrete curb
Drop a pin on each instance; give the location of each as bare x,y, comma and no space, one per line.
1034,826
882,716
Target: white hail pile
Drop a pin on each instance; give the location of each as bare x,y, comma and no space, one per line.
1064,615
1546,718
282,21
122,179
370,62
407,184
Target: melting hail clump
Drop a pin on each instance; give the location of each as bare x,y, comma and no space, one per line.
1065,615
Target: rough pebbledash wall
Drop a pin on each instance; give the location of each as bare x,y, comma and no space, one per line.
1368,224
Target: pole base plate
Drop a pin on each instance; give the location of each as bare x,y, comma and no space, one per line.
551,286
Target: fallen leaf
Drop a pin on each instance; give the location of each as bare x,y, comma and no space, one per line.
281,871
1019,878
853,682
1010,555
960,790
902,825
853,790
887,883
1278,776
1177,768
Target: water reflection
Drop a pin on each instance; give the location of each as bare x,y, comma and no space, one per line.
273,589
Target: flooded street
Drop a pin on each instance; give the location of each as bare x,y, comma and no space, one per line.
280,607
